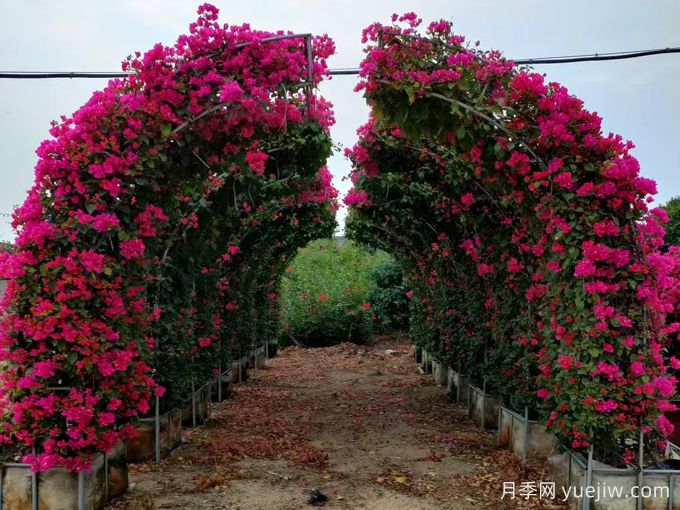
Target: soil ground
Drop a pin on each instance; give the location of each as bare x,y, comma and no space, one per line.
361,424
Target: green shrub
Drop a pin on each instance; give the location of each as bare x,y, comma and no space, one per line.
672,207
388,297
324,294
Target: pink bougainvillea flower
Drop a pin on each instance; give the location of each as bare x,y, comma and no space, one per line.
92,261
132,249
45,369
468,199
105,222
256,161
231,92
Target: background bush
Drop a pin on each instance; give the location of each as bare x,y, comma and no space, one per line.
388,299
672,207
326,292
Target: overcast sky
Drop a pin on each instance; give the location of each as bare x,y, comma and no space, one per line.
638,99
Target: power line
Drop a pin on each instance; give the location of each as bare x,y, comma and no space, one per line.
567,59
597,57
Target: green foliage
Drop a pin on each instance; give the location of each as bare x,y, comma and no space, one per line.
672,207
325,291
388,297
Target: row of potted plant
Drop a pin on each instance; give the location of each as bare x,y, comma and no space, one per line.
155,437
533,259
518,430
523,433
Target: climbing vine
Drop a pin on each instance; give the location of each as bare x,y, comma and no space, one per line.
533,256
150,245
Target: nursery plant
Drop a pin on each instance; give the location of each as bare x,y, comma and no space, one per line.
149,247
531,251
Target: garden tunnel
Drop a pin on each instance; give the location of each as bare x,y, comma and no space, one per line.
165,208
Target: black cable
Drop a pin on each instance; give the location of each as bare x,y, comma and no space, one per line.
29,75
597,57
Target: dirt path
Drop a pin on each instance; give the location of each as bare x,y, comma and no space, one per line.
360,424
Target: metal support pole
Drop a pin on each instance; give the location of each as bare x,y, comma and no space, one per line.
469,398
525,448
484,387
569,471
240,364
641,464
310,71
193,402
588,481
34,488
483,420
169,427
81,491
208,403
106,476
180,425
34,491
310,58
157,431
208,388
500,419
219,380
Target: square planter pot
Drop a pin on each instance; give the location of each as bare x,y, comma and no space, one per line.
143,447
239,372
197,410
117,465
570,472
426,362
222,386
483,408
259,358
525,438
458,386
418,353
439,373
272,349
57,489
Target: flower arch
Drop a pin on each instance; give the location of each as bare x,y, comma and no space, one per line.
534,258
151,242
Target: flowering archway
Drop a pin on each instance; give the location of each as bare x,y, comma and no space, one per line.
534,259
165,208
162,214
